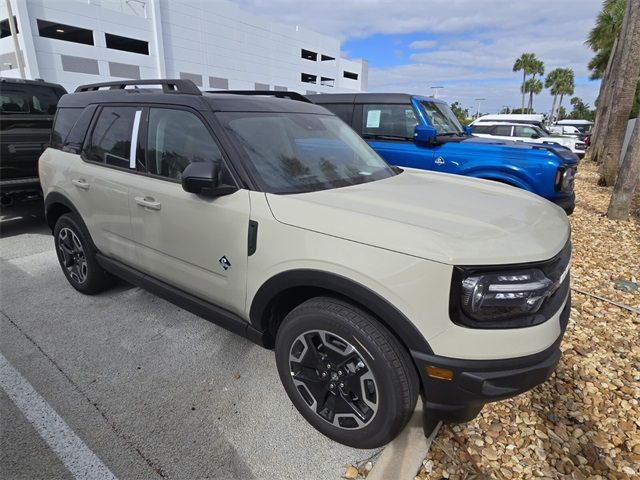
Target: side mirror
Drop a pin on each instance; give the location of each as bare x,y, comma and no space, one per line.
468,130
535,135
203,178
425,134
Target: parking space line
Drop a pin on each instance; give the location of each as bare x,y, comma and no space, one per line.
68,447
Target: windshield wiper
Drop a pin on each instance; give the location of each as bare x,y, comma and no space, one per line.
450,134
386,137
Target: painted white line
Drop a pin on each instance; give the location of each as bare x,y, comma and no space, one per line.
68,447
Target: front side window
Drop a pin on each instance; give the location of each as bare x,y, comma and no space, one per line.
175,139
298,152
110,141
386,120
526,131
442,118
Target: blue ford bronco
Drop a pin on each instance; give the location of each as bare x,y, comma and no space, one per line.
421,132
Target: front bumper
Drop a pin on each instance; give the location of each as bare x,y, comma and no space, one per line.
476,382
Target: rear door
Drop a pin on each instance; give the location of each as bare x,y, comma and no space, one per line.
196,244
389,129
100,182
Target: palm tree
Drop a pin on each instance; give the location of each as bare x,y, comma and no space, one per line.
533,86
567,84
526,63
602,37
551,83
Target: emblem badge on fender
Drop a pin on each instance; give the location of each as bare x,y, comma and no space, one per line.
439,161
226,264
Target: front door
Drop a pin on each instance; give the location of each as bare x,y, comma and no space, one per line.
389,129
194,243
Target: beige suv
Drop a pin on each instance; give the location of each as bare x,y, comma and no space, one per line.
269,216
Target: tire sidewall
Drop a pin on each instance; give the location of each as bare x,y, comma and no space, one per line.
388,420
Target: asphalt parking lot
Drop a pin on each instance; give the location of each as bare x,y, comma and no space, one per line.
137,387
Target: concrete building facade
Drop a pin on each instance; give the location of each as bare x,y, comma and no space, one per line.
214,43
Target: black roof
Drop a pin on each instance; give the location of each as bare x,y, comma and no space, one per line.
185,93
380,98
22,81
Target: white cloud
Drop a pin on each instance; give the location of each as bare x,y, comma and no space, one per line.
423,44
476,45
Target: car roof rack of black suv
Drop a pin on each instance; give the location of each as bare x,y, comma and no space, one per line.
271,93
168,86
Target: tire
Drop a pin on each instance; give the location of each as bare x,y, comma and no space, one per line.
77,257
345,372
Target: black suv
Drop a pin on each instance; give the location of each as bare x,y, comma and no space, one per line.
27,108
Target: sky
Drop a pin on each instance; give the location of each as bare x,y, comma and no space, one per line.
466,46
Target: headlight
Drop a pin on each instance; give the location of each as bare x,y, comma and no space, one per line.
500,295
565,178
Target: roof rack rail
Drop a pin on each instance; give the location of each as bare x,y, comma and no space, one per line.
168,86
272,93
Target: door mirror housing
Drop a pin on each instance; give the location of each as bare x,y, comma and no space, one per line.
204,179
535,135
468,130
425,134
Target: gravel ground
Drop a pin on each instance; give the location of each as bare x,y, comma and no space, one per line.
584,423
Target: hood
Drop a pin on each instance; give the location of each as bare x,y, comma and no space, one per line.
446,218
512,147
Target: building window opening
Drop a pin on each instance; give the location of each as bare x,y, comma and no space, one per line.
326,58
308,78
327,82
68,33
309,55
5,28
351,75
126,44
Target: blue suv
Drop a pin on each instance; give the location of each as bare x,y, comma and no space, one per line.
422,132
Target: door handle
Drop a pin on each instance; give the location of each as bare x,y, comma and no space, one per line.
80,183
148,202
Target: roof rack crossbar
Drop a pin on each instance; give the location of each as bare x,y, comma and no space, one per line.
272,93
168,86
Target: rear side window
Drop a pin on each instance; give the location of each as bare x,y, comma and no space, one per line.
342,110
502,130
65,120
29,99
110,141
389,120
175,139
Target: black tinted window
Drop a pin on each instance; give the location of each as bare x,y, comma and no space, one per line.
502,130
175,139
482,129
342,110
75,139
111,137
65,119
29,99
391,120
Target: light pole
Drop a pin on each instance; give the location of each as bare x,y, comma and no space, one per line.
14,36
435,95
479,100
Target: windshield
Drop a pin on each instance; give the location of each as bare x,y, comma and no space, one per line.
300,152
441,118
29,99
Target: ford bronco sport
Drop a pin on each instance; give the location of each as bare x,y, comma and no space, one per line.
272,218
422,132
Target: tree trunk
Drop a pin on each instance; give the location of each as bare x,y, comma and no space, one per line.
602,109
628,178
625,72
553,108
524,79
560,104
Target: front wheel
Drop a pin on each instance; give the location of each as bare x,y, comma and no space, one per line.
345,372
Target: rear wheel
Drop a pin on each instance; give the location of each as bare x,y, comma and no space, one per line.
77,257
345,373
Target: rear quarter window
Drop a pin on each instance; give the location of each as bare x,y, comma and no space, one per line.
64,121
342,110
